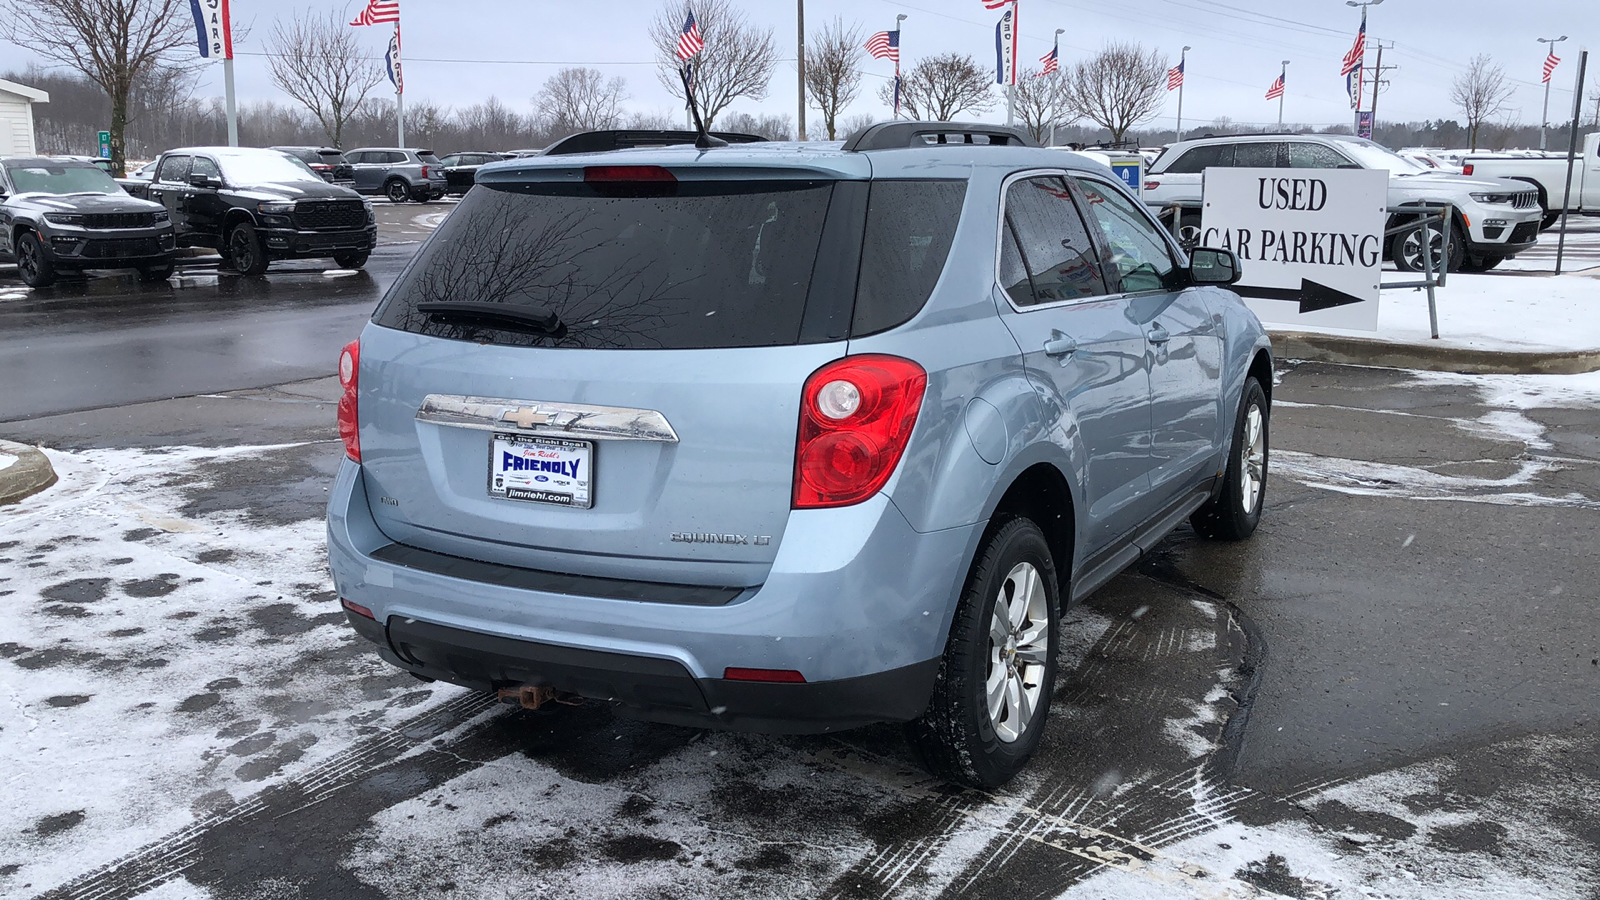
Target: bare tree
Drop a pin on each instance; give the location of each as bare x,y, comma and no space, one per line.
115,43
942,87
773,128
1041,102
653,121
581,99
1480,93
856,123
1118,88
833,70
319,61
737,61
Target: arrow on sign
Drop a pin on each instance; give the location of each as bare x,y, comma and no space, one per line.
1313,295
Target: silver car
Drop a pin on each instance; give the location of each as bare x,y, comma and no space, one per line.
784,438
398,173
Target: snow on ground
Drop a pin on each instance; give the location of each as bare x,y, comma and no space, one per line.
144,659
1490,312
7,461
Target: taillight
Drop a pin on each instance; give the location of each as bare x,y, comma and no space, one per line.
1466,169
349,379
856,415
1151,185
628,173
424,171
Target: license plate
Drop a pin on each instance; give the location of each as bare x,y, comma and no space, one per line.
541,470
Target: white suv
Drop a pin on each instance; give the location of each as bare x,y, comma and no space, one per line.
1495,219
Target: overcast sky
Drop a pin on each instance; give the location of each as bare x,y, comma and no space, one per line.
459,52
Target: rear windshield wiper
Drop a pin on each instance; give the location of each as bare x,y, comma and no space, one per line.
522,318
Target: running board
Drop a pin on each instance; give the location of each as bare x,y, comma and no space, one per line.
1110,562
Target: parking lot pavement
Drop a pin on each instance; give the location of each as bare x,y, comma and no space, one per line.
1389,692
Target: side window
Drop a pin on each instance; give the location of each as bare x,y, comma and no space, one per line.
174,170
1139,254
1258,155
1052,246
355,158
1198,159
1315,156
205,166
395,157
910,225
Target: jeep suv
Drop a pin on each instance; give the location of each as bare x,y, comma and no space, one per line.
255,206
325,161
788,438
66,214
1495,219
398,173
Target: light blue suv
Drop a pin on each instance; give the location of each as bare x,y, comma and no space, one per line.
789,438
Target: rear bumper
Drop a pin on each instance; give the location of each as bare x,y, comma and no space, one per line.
856,601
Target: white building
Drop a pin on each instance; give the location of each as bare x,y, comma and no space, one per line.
16,118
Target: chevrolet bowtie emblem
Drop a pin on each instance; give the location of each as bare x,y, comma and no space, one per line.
525,417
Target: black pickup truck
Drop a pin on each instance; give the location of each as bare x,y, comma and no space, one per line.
67,214
255,206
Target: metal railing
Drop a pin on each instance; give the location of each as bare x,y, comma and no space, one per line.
1435,272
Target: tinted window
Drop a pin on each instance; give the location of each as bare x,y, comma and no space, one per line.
909,228
1315,156
174,170
692,264
355,157
204,166
303,154
1139,254
428,158
454,159
1198,159
1257,155
1056,254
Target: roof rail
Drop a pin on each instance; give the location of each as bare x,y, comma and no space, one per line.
602,141
904,135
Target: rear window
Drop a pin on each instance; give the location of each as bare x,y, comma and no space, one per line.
681,266
429,158
909,228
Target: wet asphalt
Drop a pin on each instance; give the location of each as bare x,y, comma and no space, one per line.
1381,618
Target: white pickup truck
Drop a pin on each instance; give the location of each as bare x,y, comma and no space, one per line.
1547,175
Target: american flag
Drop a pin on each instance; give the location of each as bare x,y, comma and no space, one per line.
1358,50
1175,76
885,45
1051,60
689,40
995,4
1550,63
1276,90
378,11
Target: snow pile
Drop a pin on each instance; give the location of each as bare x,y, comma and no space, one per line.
1489,312
7,461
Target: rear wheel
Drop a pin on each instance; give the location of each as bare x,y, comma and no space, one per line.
1234,513
246,250
396,191
992,694
33,266
422,195
352,260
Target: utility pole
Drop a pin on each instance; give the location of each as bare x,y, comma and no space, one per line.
1377,76
1183,60
1544,118
800,43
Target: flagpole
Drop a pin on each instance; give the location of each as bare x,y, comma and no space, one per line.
800,56
233,114
900,49
1011,87
1283,80
1055,51
399,91
1544,119
1183,75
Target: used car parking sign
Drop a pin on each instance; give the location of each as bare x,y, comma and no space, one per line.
1310,241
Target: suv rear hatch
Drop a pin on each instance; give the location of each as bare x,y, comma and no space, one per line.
597,371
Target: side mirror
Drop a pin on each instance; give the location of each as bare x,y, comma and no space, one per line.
204,181
1208,266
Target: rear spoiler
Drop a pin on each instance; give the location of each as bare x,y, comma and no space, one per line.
603,141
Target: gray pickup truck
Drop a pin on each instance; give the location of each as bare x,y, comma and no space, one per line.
398,173
1548,175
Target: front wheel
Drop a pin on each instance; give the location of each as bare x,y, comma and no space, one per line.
1407,253
352,260
155,274
33,266
246,250
1234,513
1189,231
992,694
1550,219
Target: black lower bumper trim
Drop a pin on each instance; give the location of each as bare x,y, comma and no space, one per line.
658,690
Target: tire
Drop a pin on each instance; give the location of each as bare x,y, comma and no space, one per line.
1407,249
156,274
33,264
396,190
957,737
1235,512
1481,264
423,195
246,251
352,260
1550,219
1188,231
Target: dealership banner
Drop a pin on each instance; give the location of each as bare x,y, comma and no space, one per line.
1309,241
213,28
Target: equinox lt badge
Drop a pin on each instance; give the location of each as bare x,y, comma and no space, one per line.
696,537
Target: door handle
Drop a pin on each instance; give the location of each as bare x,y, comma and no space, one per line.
1060,346
1158,335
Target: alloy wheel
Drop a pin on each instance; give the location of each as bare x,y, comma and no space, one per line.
1019,639
1253,458
1411,247
243,253
27,261
397,192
